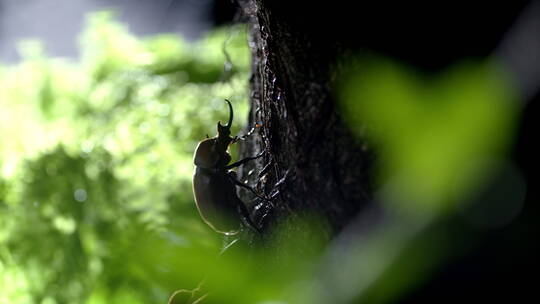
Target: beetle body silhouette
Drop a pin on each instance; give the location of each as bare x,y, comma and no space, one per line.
214,184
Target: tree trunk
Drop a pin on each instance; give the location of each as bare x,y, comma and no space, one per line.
322,168
296,51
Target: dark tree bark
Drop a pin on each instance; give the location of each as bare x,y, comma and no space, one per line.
323,168
297,48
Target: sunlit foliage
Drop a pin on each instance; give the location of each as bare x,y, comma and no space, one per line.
96,160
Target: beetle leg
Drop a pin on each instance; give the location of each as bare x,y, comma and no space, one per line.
232,177
243,137
283,179
248,134
266,168
246,216
242,209
243,161
275,190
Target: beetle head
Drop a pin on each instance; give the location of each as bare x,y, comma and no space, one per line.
212,152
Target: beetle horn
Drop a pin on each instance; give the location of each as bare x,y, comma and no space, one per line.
228,125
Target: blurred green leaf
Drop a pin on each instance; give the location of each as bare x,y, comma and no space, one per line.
439,140
439,135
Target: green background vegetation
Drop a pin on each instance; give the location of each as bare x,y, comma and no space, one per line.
97,154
